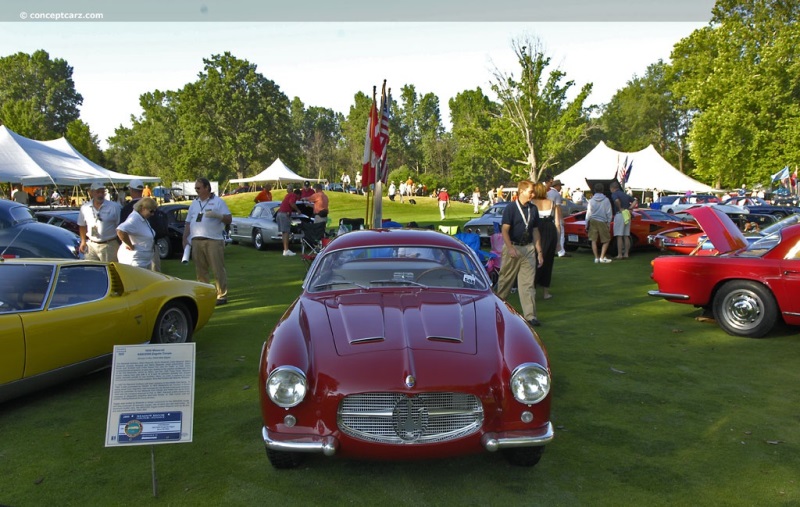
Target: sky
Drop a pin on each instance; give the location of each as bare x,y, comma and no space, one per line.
326,63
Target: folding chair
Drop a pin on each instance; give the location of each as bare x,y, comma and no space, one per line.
351,224
449,229
311,241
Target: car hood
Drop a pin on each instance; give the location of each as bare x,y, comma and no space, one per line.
721,230
419,320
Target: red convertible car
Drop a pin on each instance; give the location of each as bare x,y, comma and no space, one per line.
398,349
748,287
644,222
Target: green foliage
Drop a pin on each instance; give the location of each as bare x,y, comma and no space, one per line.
231,122
37,95
537,122
740,79
81,137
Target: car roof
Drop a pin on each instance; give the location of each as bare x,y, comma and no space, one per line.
391,237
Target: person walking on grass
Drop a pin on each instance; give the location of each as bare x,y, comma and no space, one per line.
598,224
522,251
444,202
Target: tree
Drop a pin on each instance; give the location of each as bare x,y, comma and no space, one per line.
646,112
37,95
354,128
472,114
319,132
235,120
81,137
537,125
741,79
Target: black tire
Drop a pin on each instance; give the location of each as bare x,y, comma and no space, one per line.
745,308
570,248
173,325
164,248
523,456
258,240
284,460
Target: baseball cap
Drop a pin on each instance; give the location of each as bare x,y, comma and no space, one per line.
137,184
97,186
306,184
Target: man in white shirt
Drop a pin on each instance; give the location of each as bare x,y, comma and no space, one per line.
98,220
206,220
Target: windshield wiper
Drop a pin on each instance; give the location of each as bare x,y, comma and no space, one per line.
320,286
395,281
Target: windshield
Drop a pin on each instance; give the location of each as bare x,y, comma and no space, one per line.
396,266
762,246
24,287
777,226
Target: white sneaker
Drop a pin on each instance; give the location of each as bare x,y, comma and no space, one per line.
288,253
605,260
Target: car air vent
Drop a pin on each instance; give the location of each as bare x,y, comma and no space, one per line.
116,281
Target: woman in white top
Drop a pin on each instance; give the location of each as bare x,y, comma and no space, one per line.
137,236
476,200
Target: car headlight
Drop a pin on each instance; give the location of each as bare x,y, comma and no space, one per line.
286,386
530,383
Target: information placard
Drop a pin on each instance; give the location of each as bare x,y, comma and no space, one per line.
151,400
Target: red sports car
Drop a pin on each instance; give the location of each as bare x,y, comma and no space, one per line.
644,222
398,349
690,240
748,287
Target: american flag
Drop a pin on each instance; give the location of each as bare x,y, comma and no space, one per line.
369,161
382,139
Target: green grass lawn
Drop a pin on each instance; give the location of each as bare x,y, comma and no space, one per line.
651,407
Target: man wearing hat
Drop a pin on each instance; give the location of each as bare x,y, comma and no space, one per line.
306,191
97,225
444,202
554,194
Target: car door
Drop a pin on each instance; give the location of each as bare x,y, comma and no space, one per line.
81,320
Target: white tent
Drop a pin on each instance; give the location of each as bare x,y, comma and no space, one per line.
277,171
649,171
55,162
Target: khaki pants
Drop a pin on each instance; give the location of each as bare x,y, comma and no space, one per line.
210,254
523,269
103,252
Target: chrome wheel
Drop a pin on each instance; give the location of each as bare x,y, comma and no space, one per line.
163,248
744,308
173,325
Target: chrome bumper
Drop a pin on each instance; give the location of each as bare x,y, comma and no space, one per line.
507,439
666,295
301,443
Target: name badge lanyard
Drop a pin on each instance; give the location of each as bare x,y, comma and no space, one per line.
203,207
525,220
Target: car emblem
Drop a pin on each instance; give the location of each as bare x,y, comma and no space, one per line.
411,381
410,419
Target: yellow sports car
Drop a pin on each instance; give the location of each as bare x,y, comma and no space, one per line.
60,319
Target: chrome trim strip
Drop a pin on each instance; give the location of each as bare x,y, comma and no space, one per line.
666,295
301,443
508,439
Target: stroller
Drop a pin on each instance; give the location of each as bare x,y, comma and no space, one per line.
312,240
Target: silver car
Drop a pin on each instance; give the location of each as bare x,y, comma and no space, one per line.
260,228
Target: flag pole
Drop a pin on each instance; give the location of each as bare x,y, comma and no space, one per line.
368,155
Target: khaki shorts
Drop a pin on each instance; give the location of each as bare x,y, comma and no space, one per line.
599,231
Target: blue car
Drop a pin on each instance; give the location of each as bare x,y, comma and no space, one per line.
22,235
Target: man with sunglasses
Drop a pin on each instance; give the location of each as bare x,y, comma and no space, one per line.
206,220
